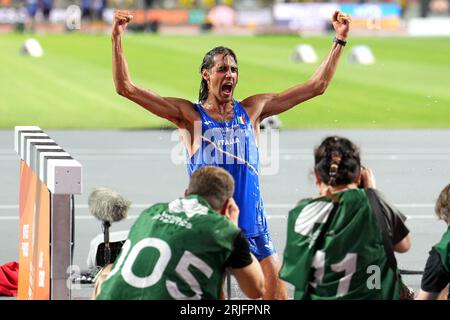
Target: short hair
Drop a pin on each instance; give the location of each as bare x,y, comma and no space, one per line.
214,184
442,207
208,63
337,161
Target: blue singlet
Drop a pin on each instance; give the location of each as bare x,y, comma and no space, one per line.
232,146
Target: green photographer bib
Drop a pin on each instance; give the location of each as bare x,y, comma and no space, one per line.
174,250
351,263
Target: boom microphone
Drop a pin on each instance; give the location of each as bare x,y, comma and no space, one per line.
108,206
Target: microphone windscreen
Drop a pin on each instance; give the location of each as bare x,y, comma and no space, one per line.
108,205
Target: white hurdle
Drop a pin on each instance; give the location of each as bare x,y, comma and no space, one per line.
49,177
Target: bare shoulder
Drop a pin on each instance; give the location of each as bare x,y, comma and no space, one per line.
187,109
254,105
256,100
180,102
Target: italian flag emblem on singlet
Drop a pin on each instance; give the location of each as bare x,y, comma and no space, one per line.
241,120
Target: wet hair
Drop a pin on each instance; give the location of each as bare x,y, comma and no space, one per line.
214,184
442,207
337,161
208,63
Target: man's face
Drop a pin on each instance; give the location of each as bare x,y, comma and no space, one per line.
222,77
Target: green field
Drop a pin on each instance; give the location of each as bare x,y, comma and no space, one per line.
71,85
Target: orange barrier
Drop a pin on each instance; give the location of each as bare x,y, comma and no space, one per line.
34,256
48,176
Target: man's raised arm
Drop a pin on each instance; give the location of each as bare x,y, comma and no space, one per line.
173,109
265,105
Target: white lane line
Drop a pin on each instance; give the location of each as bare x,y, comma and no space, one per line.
269,205
415,205
286,157
299,151
392,154
269,217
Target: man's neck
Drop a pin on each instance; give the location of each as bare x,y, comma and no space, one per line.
212,104
220,111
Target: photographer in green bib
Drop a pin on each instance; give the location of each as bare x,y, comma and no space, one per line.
436,276
336,243
180,250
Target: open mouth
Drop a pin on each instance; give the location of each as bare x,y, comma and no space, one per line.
226,88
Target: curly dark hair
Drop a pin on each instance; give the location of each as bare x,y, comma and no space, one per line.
337,161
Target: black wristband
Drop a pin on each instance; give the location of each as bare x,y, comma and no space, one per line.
341,42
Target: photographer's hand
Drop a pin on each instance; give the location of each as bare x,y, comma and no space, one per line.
232,211
367,178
